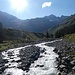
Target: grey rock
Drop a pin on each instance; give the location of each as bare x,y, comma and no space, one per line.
73,68
73,62
63,73
62,66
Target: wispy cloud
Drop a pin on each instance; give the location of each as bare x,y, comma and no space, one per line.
46,4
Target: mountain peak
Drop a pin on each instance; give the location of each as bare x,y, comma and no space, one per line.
52,15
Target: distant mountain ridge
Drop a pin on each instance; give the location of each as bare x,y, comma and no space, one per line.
33,25
55,18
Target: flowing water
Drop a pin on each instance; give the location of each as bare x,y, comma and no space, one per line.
45,65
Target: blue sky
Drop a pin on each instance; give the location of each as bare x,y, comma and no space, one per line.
34,8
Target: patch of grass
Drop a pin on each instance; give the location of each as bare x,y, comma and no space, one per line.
72,53
10,44
71,37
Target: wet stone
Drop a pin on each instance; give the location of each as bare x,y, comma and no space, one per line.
43,50
39,66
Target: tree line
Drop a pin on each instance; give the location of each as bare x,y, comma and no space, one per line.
66,30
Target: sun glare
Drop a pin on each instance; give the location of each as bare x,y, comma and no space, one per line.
19,5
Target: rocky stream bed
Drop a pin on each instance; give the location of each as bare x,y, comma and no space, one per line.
48,58
66,59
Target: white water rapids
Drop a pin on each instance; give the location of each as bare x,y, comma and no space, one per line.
45,65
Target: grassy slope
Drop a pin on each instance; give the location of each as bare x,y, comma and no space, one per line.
70,21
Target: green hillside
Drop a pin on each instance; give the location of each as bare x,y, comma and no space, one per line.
66,27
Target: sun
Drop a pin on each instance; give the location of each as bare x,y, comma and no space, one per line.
19,5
